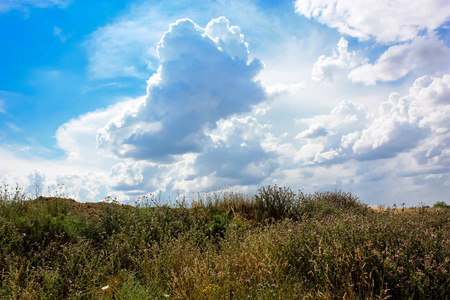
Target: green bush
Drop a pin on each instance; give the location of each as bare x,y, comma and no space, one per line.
441,204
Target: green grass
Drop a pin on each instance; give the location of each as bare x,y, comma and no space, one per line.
276,244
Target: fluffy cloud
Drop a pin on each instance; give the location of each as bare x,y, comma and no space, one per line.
418,121
87,187
189,133
426,54
239,152
430,109
85,127
204,76
405,143
385,20
327,136
337,66
416,124
391,132
407,27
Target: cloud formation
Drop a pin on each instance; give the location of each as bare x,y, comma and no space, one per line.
77,137
238,153
385,20
417,124
409,28
426,54
204,76
337,66
328,137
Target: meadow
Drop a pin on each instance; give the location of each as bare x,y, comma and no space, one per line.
276,244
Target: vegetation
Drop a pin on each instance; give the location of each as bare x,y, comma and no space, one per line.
276,244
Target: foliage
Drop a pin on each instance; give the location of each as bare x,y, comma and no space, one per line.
441,204
274,245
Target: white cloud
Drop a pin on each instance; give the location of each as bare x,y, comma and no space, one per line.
204,76
385,20
424,55
58,32
120,49
240,152
407,27
8,5
417,124
77,137
92,185
194,136
2,107
325,133
419,121
337,66
390,133
315,130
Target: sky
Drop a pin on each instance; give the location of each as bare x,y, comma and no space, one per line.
131,98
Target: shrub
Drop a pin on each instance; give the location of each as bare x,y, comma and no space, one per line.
275,203
441,204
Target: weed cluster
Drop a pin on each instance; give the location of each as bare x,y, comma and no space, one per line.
274,245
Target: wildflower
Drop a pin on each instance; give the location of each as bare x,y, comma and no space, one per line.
273,285
105,287
247,280
166,295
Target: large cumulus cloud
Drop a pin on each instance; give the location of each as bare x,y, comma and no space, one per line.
417,124
205,75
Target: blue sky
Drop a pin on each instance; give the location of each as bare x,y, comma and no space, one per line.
126,98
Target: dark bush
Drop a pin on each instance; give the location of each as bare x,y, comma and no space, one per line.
276,203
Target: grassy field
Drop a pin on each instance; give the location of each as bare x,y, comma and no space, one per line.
276,244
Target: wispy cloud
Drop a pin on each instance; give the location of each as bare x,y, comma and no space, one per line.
2,107
25,5
123,49
58,32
